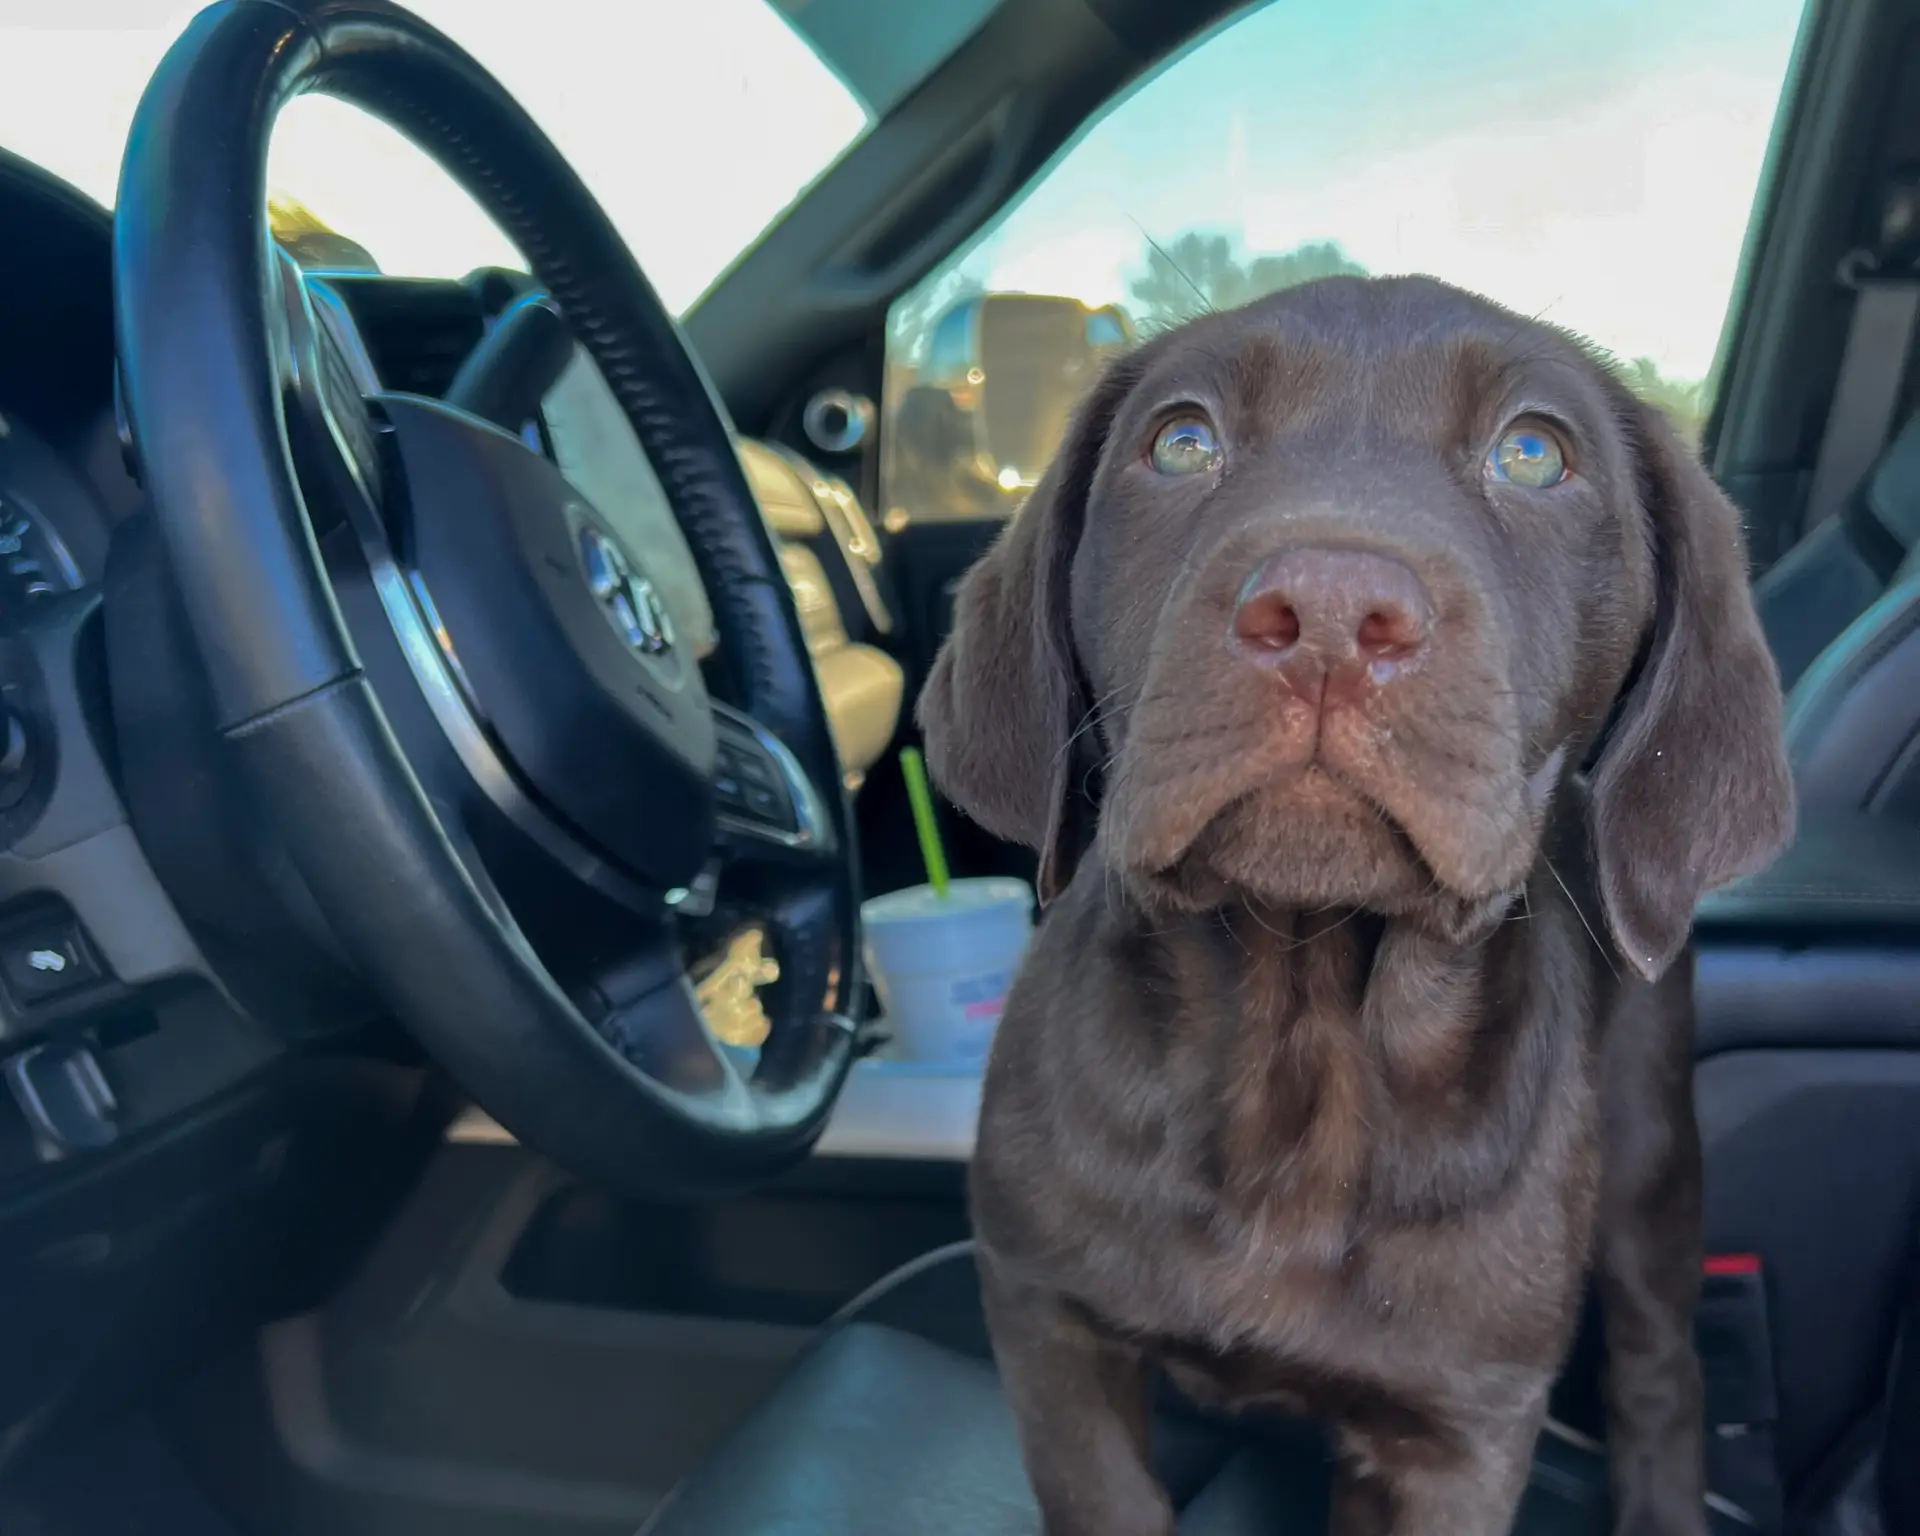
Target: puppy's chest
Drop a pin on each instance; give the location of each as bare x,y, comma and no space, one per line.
1328,1067
1316,1098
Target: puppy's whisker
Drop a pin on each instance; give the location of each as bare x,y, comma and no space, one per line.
1580,912
1206,304
1091,719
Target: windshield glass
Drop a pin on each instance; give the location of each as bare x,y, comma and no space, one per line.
696,125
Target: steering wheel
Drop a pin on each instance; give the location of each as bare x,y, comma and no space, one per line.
451,688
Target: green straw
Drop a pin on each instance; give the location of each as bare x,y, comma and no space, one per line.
913,768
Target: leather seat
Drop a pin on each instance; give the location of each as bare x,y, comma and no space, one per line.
893,1425
1853,720
1841,611
1838,571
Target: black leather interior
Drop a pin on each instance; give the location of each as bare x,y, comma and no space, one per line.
1852,719
1841,612
1846,876
1823,947
1833,575
1811,593
894,1425
1808,1042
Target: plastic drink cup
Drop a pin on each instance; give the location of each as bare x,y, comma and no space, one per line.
943,964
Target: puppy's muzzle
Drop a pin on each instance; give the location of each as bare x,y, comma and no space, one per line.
1333,625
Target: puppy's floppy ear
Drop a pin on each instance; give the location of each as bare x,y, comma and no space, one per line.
1005,696
1692,788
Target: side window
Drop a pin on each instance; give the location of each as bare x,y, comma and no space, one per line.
1592,164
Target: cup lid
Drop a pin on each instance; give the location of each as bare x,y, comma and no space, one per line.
918,903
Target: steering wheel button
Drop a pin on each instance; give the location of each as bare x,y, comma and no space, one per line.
770,805
757,770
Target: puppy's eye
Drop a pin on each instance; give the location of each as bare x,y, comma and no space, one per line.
1529,454
1184,446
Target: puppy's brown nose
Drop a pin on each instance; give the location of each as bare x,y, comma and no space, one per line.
1333,614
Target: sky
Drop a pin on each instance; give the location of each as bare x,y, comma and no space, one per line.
1594,163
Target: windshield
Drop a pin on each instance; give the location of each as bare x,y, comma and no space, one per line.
696,125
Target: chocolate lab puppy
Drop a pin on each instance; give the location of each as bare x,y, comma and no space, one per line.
1378,681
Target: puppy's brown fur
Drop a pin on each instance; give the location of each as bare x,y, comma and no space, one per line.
1354,1035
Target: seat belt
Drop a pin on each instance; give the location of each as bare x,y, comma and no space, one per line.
1885,279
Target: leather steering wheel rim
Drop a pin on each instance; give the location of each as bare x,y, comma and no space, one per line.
195,290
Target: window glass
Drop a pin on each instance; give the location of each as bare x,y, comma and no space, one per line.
1593,164
695,125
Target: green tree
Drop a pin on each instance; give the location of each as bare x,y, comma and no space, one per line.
1202,270
1685,402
